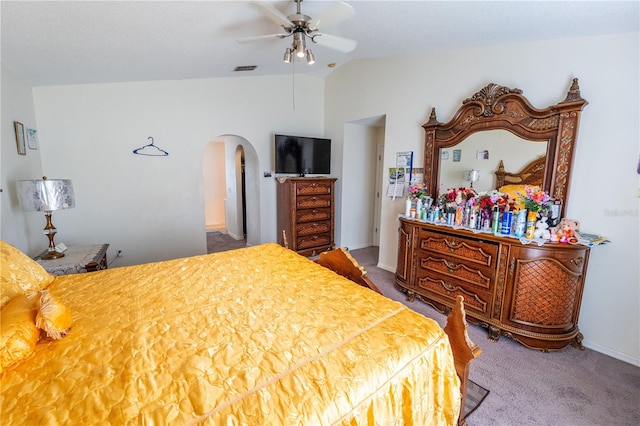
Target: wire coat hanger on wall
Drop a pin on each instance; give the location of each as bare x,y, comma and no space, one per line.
151,150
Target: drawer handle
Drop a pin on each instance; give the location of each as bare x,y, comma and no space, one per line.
452,245
451,265
448,287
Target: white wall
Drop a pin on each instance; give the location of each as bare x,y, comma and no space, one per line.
153,207
17,227
604,185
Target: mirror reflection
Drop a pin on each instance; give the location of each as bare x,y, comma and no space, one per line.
481,152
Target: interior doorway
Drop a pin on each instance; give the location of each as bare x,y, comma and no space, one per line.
231,190
362,182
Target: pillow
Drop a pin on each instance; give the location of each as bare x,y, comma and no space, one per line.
515,192
18,331
19,274
53,317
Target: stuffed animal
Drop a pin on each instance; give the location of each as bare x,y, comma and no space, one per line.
566,231
542,229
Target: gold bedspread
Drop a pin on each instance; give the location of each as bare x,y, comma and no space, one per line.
233,338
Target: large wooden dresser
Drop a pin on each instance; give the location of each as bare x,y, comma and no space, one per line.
306,214
528,292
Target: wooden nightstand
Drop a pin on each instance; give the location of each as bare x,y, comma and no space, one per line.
77,260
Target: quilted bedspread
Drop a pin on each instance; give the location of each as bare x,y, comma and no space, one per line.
257,336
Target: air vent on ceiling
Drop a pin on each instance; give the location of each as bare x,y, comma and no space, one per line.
245,68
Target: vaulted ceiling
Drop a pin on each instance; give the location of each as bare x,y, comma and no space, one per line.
72,42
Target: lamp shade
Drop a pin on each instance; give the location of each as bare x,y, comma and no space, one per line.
45,195
472,175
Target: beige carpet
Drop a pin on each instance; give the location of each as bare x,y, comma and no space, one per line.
218,241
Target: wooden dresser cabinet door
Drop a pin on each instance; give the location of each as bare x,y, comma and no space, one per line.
405,253
546,290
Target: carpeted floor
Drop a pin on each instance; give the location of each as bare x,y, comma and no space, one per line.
528,387
217,241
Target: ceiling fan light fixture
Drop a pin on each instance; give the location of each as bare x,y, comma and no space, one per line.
287,56
299,44
299,27
310,59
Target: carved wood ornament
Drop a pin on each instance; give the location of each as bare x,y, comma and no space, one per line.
499,107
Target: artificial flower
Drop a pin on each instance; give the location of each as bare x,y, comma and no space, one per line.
457,195
491,199
416,192
534,199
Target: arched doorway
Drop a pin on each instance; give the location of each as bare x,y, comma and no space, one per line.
237,187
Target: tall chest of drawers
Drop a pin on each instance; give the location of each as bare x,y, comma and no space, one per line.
306,214
527,292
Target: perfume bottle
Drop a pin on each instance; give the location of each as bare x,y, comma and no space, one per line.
505,227
495,224
473,217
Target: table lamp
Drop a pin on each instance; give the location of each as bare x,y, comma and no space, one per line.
46,195
472,176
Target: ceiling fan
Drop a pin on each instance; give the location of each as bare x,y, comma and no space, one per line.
300,27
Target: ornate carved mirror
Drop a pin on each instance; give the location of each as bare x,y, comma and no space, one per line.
529,145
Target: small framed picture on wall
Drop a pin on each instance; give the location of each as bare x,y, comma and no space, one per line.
457,153
32,138
19,128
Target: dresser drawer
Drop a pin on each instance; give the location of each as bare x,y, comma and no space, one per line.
310,215
313,188
471,252
313,241
445,289
312,228
472,277
313,201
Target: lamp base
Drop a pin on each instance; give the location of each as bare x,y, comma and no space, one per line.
52,255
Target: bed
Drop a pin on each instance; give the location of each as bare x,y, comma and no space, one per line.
255,336
531,174
513,183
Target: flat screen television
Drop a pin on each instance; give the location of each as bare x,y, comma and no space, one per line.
302,155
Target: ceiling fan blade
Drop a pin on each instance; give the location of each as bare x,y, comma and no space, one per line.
334,42
270,11
260,37
333,15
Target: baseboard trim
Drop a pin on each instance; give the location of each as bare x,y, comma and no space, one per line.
611,352
355,247
234,236
386,268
